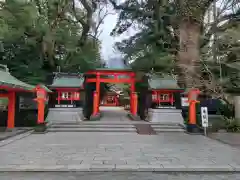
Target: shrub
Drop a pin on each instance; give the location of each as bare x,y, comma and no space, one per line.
232,125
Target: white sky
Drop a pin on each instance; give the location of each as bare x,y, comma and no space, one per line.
107,46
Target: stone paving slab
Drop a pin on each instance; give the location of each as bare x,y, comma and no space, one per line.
116,176
118,152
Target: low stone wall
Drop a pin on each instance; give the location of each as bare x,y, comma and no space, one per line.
67,115
172,116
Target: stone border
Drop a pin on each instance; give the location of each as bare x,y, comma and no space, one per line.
113,168
21,131
133,118
15,138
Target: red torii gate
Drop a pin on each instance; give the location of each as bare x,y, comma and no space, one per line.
128,76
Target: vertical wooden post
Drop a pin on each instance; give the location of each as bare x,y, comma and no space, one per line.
158,98
132,90
41,98
41,107
11,110
97,91
95,110
71,96
192,99
135,104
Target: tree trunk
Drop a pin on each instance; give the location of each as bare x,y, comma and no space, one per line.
188,54
237,107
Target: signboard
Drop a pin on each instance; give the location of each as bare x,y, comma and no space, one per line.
204,115
27,103
184,101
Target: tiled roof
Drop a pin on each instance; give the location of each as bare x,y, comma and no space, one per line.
113,69
7,79
67,80
158,82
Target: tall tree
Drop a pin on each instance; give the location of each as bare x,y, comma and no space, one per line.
187,21
39,35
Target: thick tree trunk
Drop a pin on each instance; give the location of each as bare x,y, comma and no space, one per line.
188,54
237,107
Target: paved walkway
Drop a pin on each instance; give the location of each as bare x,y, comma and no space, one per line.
232,139
116,176
94,151
118,151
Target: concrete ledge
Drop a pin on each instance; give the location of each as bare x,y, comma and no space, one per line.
115,168
40,132
15,138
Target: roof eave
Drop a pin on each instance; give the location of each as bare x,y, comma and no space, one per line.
14,86
52,87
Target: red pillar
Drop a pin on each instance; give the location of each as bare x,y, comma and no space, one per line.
41,98
41,107
132,90
192,99
11,110
95,110
97,91
135,104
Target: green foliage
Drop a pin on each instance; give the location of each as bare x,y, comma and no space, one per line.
232,125
152,46
161,24
37,36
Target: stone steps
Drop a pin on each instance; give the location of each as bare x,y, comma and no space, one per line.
100,129
167,128
92,126
89,127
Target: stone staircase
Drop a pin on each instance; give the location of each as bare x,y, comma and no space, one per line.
91,127
111,127
113,120
159,127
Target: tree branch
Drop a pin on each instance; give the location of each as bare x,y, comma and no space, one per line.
231,17
125,7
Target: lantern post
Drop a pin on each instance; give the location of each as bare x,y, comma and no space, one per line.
192,100
41,99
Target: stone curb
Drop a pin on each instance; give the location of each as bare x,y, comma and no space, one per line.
79,168
15,138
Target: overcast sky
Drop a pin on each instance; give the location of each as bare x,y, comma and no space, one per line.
107,46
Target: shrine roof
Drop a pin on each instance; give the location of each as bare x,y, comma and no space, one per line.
67,80
112,69
6,79
167,82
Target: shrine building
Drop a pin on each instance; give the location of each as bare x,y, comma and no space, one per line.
67,89
165,92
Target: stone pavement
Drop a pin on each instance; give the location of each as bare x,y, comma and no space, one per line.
116,176
232,139
14,132
118,152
